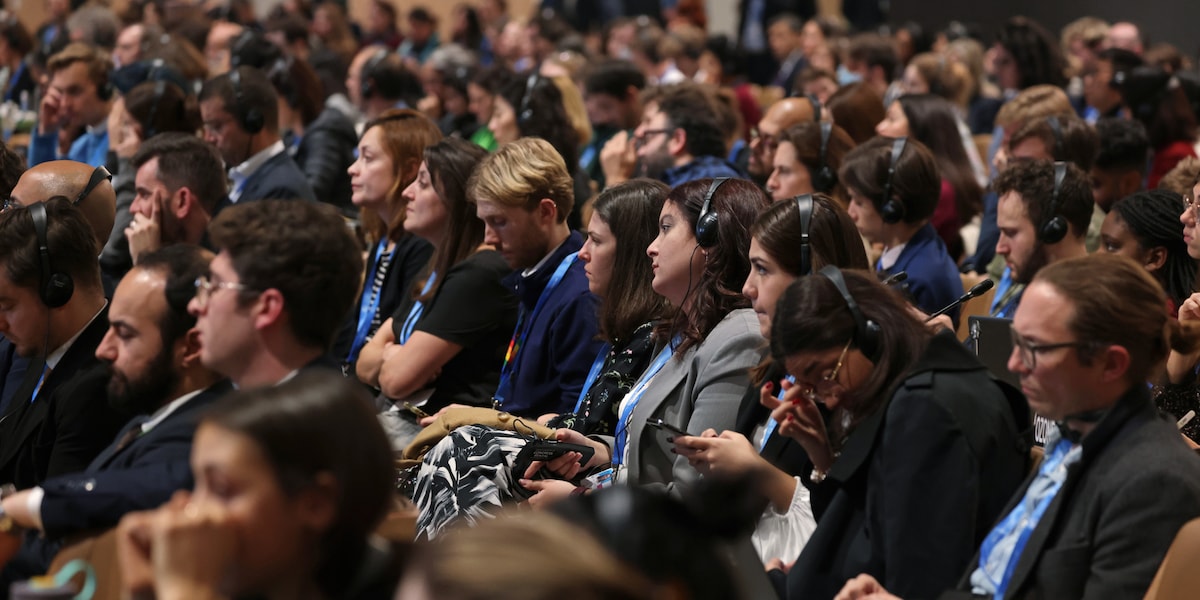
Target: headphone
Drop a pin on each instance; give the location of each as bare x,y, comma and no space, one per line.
816,106
280,76
825,177
866,332
158,76
804,204
707,224
250,119
1055,228
367,78
893,209
99,174
525,113
56,287
1056,129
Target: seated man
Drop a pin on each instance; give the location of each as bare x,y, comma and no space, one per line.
78,99
54,313
283,280
1118,481
155,372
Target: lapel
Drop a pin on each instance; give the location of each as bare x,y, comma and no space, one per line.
25,417
188,410
670,377
263,173
1133,405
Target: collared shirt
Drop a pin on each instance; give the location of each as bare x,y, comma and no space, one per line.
242,173
534,269
889,257
53,358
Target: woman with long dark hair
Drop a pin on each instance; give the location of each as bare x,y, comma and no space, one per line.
1146,228
906,477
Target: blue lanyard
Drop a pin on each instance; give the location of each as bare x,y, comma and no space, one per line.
771,422
621,437
593,375
367,307
414,314
9,94
525,321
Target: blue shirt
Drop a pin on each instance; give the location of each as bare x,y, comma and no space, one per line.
933,281
702,167
90,148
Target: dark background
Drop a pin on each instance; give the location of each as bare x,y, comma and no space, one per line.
1173,21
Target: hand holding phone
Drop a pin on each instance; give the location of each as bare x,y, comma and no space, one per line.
663,425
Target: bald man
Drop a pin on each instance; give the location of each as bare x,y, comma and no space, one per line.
89,188
781,115
1125,35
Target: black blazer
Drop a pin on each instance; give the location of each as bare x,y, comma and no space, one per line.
278,178
69,423
140,476
919,482
781,451
324,154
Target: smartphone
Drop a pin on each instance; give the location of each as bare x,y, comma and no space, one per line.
663,425
544,450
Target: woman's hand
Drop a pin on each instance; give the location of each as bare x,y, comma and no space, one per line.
1180,366
567,466
727,455
193,549
800,419
548,491
864,587
134,559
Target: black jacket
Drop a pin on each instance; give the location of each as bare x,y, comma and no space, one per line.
324,154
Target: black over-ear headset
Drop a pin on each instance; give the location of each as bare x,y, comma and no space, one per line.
250,118
707,224
366,79
866,332
804,204
99,174
1054,228
892,211
525,112
1056,129
56,287
825,178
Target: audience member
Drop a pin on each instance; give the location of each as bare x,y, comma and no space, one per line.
785,34
1145,227
1120,166
856,108
1025,55
764,139
807,161
1102,97
15,45
872,59
378,81
1126,36
1156,98
611,90
421,39
77,97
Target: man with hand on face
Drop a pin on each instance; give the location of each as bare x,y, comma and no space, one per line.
240,111
79,97
152,354
178,186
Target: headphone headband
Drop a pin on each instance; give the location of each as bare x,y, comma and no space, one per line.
892,210
866,331
56,288
706,223
1054,227
804,204
99,174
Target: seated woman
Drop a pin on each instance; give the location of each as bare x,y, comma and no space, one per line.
445,344
894,188
1145,227
788,241
389,154
469,473
291,481
807,161
920,450
707,349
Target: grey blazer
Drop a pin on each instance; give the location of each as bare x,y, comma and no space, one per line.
700,390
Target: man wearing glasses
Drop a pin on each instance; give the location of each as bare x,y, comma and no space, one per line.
1117,481
680,139
283,280
764,139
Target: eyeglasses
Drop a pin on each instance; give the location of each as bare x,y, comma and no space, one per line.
1028,351
640,140
9,204
821,390
767,141
205,287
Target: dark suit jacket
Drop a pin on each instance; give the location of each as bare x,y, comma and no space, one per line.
1107,530
68,424
324,154
140,476
278,178
919,482
933,280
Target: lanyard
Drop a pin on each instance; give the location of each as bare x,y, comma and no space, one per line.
414,314
621,437
367,307
771,422
10,93
525,321
593,375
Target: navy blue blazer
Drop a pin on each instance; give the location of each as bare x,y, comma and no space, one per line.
142,475
933,280
278,178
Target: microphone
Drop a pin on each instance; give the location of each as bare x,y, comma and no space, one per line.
895,278
975,290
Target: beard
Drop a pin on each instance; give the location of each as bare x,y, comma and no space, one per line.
145,393
656,164
1037,260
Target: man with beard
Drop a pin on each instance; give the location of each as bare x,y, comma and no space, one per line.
680,139
781,115
1043,218
152,354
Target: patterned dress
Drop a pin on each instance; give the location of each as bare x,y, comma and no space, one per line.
470,472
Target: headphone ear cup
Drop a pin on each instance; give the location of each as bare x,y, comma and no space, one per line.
58,290
253,121
706,230
869,340
1054,230
892,211
824,180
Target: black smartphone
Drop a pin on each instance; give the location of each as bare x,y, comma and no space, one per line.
663,425
544,450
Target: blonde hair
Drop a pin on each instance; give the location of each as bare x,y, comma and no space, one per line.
97,62
573,105
1183,177
522,173
1032,103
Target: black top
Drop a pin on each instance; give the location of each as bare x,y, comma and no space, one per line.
473,309
324,154
622,367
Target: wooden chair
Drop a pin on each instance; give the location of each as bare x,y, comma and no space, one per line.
1177,577
100,551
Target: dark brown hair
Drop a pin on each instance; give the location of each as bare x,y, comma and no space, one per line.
933,122
1075,141
915,182
857,109
450,163
719,290
1033,180
405,133
72,244
630,210
806,138
159,107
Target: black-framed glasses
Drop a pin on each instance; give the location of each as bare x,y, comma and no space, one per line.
641,139
1027,351
821,390
764,139
206,286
